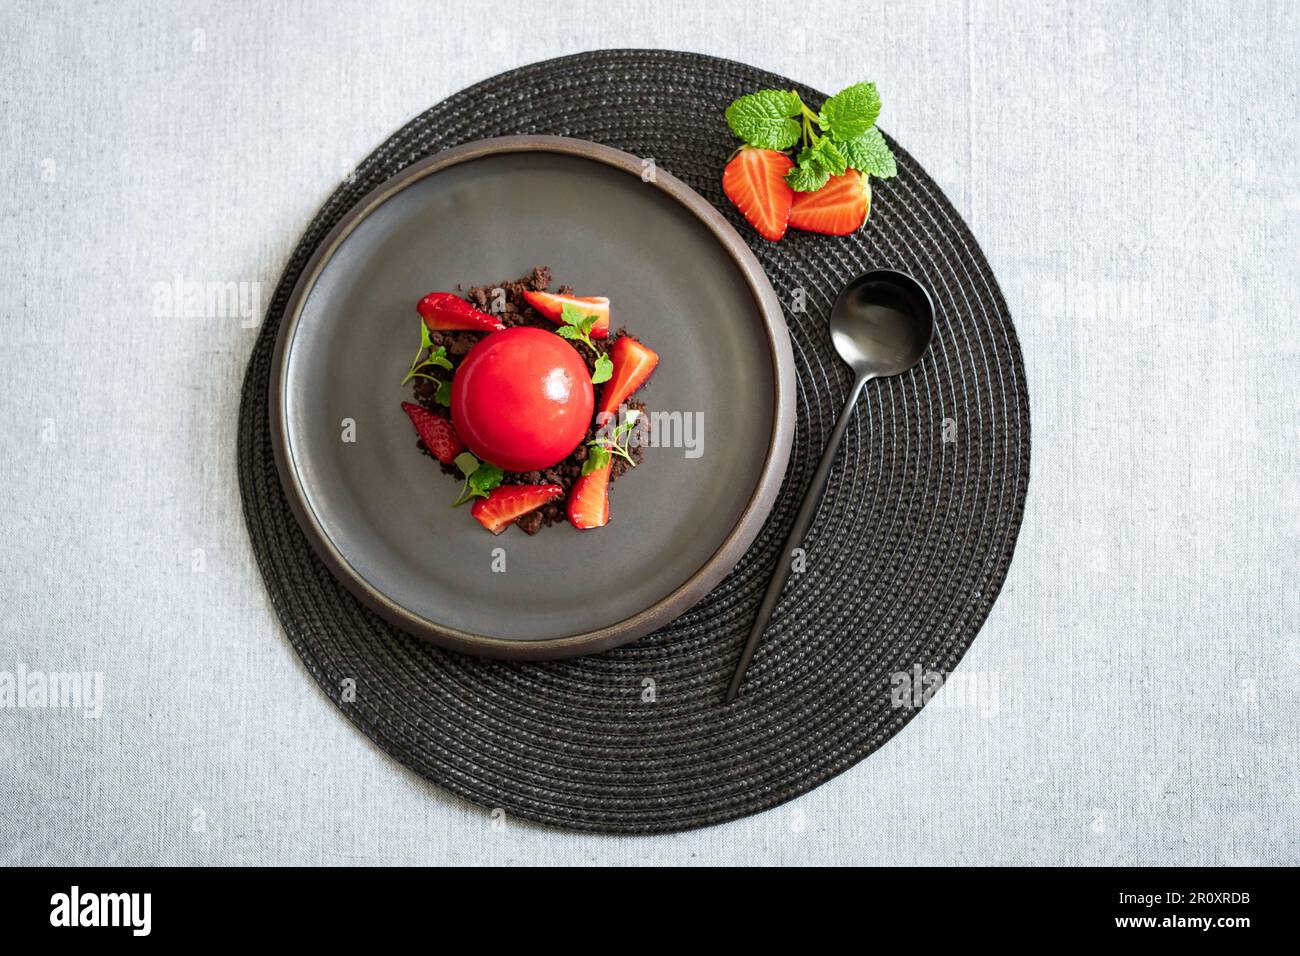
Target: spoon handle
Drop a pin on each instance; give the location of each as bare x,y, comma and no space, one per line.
784,566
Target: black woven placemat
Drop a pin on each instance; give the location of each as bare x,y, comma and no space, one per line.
907,554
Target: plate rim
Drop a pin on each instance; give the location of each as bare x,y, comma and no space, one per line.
703,579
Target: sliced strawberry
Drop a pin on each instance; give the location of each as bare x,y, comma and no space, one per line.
437,433
444,312
589,499
755,181
837,209
551,304
633,363
505,503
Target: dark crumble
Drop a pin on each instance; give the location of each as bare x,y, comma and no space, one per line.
515,311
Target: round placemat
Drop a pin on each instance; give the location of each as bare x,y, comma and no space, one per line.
908,551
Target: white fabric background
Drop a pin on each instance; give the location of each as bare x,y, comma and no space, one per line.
1132,171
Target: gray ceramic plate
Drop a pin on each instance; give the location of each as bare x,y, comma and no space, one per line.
678,275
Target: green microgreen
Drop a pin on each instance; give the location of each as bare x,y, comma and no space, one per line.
577,326
618,441
423,363
480,477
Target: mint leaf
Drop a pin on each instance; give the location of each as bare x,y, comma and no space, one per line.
604,369
809,175
828,156
597,458
443,395
850,112
869,153
439,358
765,119
816,164
568,332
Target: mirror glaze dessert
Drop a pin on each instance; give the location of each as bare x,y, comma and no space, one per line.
522,399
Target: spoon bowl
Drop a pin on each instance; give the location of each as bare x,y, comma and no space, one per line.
882,323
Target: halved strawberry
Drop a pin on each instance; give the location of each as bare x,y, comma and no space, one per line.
633,363
505,503
589,499
755,181
437,433
444,312
551,304
837,209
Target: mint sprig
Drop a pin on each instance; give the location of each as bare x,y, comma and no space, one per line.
839,137
480,477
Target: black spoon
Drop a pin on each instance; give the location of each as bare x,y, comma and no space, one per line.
881,325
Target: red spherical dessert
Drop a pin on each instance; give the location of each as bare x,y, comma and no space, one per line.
522,399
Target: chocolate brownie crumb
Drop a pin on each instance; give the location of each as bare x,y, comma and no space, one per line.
531,522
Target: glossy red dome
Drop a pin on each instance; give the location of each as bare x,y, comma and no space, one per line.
522,399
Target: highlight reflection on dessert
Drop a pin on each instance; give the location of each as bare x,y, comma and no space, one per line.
524,396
